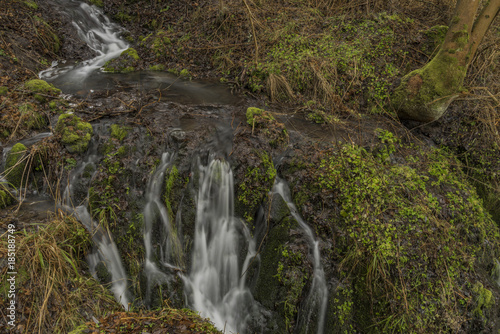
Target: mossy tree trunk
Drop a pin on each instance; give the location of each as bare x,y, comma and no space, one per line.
425,94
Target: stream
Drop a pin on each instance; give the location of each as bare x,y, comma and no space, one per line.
214,273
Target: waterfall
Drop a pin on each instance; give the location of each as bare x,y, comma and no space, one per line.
100,34
216,284
105,251
317,299
170,253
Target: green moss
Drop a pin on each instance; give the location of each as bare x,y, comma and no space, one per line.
425,94
31,4
5,198
3,90
15,166
185,74
254,113
41,87
437,34
161,43
158,67
387,211
126,62
119,132
131,52
75,133
256,185
484,299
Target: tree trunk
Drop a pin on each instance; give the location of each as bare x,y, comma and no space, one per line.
425,94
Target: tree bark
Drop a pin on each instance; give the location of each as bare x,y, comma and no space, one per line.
425,94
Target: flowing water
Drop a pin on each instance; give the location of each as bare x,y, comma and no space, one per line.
100,34
169,252
216,283
316,302
223,247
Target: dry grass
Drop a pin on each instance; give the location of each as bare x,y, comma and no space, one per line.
53,296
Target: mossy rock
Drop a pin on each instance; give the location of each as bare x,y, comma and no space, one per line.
126,62
3,90
75,133
14,166
5,198
38,86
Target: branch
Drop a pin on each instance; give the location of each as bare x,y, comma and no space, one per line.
482,24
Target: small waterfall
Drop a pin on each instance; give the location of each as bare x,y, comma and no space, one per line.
317,299
216,284
100,34
107,253
170,253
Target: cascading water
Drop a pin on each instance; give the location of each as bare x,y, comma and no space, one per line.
106,251
100,34
170,252
216,284
317,299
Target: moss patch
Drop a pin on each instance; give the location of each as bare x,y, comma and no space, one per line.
413,232
14,166
426,93
75,133
264,123
5,198
126,62
119,132
42,87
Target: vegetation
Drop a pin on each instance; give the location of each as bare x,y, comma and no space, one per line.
403,212
75,133
426,93
402,215
50,257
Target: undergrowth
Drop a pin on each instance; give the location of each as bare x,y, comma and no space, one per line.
411,233
52,294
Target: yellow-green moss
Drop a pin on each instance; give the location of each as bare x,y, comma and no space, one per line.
5,198
425,94
43,87
75,133
3,90
119,132
15,166
126,62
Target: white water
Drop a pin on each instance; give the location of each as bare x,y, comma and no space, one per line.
317,299
100,34
216,285
106,252
170,252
